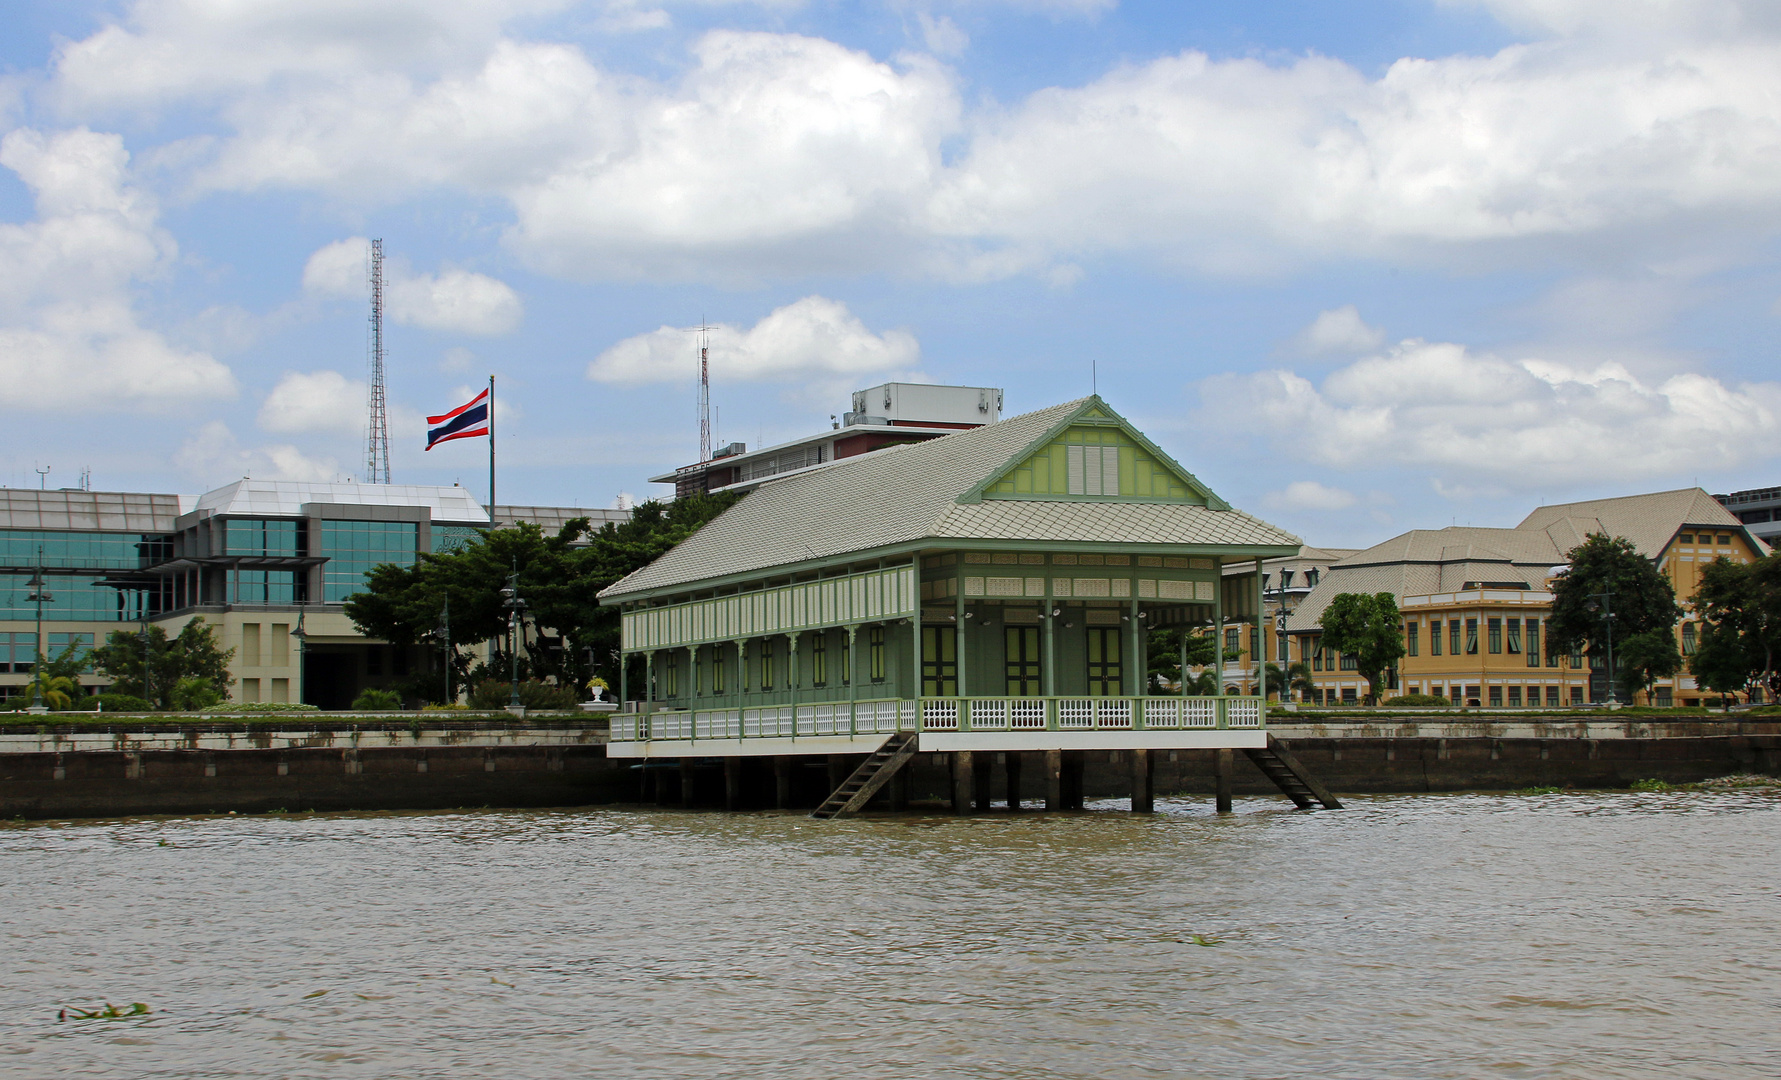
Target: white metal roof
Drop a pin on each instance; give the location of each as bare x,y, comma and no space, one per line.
285,498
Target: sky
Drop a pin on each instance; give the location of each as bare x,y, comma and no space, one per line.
1361,267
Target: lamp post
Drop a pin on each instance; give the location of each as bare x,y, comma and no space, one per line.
515,606
302,637
37,594
1606,607
445,636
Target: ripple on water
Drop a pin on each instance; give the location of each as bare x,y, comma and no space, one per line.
1594,935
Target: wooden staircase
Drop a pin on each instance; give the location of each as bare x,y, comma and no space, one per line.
1278,765
873,773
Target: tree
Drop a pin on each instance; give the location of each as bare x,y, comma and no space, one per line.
1608,575
57,690
558,576
1722,662
1744,600
1367,627
149,665
1299,681
1165,654
1642,659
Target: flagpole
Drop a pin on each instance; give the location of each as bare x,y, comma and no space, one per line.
492,522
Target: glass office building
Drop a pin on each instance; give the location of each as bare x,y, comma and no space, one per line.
259,560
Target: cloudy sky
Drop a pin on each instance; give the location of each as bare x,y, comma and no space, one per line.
1363,266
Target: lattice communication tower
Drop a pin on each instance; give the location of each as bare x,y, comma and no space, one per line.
704,332
377,432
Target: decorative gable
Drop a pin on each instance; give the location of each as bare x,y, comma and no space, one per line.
1095,455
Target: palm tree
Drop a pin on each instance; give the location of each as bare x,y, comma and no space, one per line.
58,690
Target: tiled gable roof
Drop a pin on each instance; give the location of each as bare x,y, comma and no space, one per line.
908,493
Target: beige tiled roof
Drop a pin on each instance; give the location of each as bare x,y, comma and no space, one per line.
1649,521
1442,560
909,493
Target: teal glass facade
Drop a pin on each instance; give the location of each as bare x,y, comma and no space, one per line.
78,597
262,537
354,547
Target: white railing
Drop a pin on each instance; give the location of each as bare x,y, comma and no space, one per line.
840,718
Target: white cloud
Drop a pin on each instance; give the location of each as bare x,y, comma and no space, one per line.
1338,330
942,35
456,359
212,456
1721,18
1525,424
452,300
781,153
1309,495
315,401
68,329
814,336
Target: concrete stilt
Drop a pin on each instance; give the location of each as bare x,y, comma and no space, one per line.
647,785
732,783
1073,765
1054,779
963,772
1222,766
900,786
782,782
686,783
838,770
1012,772
1143,782
982,776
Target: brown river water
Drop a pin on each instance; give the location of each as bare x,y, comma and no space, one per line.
1593,935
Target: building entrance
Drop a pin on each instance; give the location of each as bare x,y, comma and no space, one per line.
1105,672
1023,661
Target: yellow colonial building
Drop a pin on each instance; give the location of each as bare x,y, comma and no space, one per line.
1475,601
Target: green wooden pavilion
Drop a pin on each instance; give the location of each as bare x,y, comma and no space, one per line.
990,591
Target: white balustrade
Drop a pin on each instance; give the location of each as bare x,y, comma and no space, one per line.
1075,713
1243,712
988,714
939,714
1026,714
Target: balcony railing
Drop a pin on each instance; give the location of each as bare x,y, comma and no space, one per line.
942,714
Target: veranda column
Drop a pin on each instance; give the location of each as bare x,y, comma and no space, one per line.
1218,624
791,679
649,678
849,673
741,668
624,679
1138,677
1050,681
1261,638
958,642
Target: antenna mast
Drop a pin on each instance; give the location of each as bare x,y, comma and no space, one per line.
377,437
704,332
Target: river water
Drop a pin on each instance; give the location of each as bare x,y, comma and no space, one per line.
1592,935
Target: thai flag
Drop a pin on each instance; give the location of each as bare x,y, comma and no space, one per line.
464,422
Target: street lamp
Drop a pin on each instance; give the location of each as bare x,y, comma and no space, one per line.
515,606
1606,597
302,637
38,594
445,636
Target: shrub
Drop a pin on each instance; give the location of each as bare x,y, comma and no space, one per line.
1652,783
195,693
373,699
234,707
112,703
456,706
532,694
1428,700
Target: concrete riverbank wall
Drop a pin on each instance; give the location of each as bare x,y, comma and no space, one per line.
94,770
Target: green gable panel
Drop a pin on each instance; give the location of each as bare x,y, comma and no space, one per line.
1098,461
